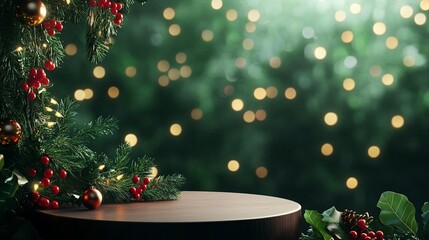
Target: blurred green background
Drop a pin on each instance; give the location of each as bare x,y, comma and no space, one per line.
318,101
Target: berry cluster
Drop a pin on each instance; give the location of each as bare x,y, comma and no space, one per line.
364,233
137,191
52,27
115,7
48,174
37,78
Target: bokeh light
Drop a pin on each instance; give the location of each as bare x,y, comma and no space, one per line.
233,165
398,121
130,71
320,53
253,15
71,49
113,92
196,114
349,84
174,30
331,118
249,117
169,13
379,28
237,104
260,93
175,129
99,72
131,139
261,172
327,149
290,93
352,183
374,152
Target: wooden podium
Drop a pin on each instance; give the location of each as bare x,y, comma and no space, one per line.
196,215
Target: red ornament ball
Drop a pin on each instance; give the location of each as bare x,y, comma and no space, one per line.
10,132
54,205
136,179
32,172
55,189
92,198
62,174
43,202
45,182
31,12
48,173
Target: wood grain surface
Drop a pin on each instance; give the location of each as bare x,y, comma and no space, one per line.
196,215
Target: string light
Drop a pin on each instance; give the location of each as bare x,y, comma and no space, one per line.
379,28
392,42
260,115
119,177
101,167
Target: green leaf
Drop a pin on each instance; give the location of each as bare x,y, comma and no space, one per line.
425,216
333,217
314,218
8,189
397,211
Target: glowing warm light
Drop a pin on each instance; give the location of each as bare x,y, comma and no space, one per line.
355,8
261,115
131,139
163,66
50,124
175,129
420,19
99,72
375,70
379,28
101,167
327,149
19,49
349,84
347,36
248,44
331,119
237,104
173,74
196,114
406,11
409,61
387,79
397,121
163,81
272,92
424,5
290,93
130,71
233,165
180,58
320,53
53,101
35,187
275,62
261,172
174,30
88,93
253,15
48,109
119,177
374,152
154,173
185,71
260,93
249,116
231,15
340,16
113,92
58,115
240,62
250,27
392,42
79,95
217,4
169,13
71,49
207,35
352,183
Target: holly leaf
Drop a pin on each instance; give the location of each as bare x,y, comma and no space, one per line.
314,218
8,188
425,216
397,211
333,217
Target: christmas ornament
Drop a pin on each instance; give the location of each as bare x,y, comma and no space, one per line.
92,198
10,132
31,12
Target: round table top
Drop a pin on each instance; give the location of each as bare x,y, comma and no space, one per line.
191,207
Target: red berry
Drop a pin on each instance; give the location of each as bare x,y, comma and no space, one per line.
100,4
119,16
353,234
55,189
379,234
48,173
107,4
136,196
132,190
139,190
368,238
49,65
44,81
32,73
53,23
113,5
62,174
24,86
362,224
34,196
117,21
136,179
51,32
114,11
41,73
54,205
46,25
92,3
43,202
31,96
45,182
59,27
36,84
371,234
44,160
146,180
32,172
119,6
143,187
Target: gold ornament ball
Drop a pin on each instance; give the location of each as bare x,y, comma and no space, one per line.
31,12
92,198
10,132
